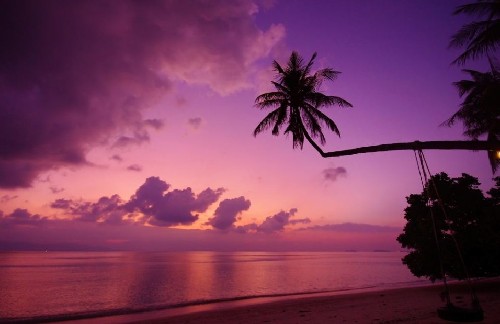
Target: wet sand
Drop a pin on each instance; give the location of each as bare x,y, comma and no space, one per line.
402,305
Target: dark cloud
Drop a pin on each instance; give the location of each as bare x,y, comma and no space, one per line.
277,223
195,123
137,138
299,221
226,214
6,198
246,228
206,198
176,207
62,204
21,217
154,123
76,74
152,203
56,190
134,167
332,173
105,210
355,228
116,157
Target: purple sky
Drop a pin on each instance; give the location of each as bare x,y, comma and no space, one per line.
128,124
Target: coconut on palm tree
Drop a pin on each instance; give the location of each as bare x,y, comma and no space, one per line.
297,102
479,37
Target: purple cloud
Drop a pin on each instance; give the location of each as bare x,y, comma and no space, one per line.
206,198
176,207
56,190
6,198
356,228
116,157
332,173
226,214
77,74
134,167
105,210
277,223
21,217
195,123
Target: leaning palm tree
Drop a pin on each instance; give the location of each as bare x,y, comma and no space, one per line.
479,37
480,110
297,102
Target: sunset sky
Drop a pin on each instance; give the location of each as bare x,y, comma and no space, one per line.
128,124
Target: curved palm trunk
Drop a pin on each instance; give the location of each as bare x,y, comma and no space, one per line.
417,145
493,148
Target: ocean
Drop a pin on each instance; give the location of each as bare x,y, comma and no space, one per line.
40,286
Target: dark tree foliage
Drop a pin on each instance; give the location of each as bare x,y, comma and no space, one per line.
472,218
481,36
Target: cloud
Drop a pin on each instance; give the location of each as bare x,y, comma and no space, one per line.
6,198
152,203
176,207
226,214
195,123
116,157
56,190
332,173
134,167
136,139
277,223
154,123
105,210
78,74
355,228
21,217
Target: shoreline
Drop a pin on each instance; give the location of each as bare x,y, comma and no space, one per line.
114,315
406,304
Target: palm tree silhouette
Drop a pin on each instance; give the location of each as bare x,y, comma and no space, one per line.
297,102
479,37
480,110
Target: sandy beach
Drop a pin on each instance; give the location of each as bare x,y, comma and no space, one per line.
402,305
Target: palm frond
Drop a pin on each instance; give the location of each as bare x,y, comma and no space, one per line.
307,69
278,67
270,119
328,74
313,125
479,8
297,101
467,33
280,120
318,114
480,110
479,37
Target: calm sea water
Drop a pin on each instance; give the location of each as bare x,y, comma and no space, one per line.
62,285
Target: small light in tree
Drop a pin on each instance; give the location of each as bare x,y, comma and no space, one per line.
498,155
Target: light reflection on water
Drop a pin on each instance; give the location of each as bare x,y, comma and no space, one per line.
56,283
